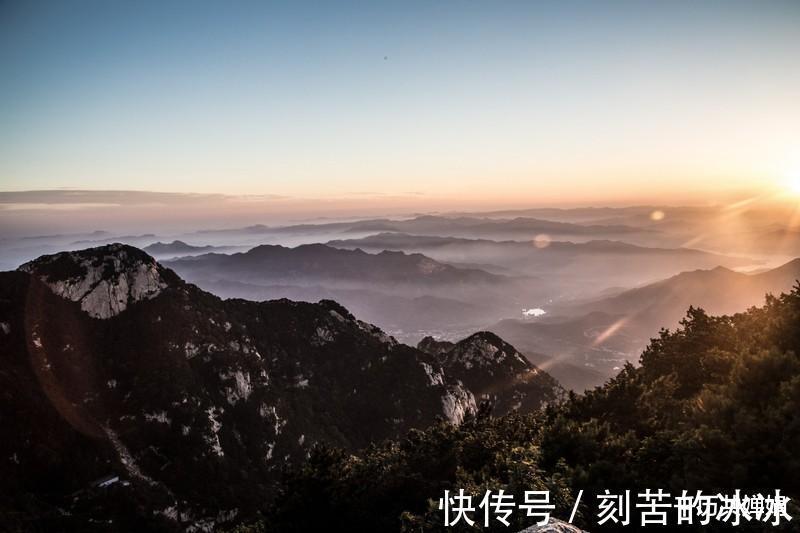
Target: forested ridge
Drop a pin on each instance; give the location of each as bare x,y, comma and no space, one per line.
712,406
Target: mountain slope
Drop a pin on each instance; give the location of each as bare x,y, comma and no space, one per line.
495,371
601,334
582,351
111,364
718,291
712,406
407,318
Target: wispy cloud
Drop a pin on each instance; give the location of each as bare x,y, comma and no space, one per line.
65,199
75,206
33,212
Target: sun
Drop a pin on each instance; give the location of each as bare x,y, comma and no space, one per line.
793,185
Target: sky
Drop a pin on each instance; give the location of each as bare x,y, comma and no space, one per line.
399,104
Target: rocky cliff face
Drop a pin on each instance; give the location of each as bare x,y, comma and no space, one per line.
113,366
494,371
104,280
553,526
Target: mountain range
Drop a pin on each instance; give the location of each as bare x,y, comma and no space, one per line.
582,340
600,334
573,267
411,295
179,248
133,398
473,226
279,264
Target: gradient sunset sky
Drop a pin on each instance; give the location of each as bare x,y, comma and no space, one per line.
495,102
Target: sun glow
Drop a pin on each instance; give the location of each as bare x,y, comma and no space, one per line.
793,184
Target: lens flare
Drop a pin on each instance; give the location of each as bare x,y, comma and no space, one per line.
542,241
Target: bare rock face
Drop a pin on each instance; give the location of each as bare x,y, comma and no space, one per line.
105,280
494,371
553,526
457,403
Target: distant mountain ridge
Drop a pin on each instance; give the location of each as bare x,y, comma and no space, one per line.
571,264
408,293
319,261
178,247
403,241
445,226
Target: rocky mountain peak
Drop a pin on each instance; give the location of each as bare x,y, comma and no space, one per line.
494,371
105,280
485,349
